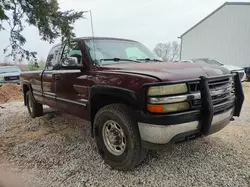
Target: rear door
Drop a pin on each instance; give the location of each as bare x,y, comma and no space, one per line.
49,78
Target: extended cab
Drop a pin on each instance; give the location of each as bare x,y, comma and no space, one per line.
134,102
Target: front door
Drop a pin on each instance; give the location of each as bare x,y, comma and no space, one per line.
71,89
48,77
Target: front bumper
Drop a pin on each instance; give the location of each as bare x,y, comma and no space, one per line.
160,130
160,134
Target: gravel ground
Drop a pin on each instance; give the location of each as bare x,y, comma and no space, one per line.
57,150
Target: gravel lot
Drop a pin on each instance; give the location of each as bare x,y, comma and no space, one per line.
57,150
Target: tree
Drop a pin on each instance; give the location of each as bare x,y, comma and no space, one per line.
46,15
32,65
169,51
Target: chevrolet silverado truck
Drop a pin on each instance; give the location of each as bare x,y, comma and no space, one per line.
133,101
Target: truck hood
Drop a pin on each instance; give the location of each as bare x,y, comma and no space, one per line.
166,71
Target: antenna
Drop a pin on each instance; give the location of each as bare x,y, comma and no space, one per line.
92,28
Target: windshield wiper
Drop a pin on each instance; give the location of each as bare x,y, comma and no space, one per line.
119,59
149,59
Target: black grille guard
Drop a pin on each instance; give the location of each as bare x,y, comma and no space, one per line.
207,111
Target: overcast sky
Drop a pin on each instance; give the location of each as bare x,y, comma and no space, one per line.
147,21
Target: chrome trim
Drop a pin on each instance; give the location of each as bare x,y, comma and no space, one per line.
53,96
187,97
70,101
49,93
174,99
37,93
160,134
221,117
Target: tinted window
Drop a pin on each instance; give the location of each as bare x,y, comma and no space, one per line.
53,58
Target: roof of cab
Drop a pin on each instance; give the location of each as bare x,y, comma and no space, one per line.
103,38
97,38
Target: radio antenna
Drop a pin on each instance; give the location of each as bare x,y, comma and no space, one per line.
92,29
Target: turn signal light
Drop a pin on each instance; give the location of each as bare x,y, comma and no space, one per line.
174,107
155,108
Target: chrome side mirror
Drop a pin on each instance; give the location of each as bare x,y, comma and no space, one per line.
70,61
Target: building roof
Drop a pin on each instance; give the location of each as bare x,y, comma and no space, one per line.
227,3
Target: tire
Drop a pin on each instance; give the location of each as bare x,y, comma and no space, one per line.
35,109
118,120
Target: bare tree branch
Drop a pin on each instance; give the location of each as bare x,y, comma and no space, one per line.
169,51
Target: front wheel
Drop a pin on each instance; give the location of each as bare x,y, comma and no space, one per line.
118,138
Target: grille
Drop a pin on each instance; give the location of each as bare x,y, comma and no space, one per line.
11,78
225,85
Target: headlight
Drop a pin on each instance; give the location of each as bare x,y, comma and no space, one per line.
1,78
168,89
174,107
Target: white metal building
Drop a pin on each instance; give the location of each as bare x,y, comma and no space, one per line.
223,35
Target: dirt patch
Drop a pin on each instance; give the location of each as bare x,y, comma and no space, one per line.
10,92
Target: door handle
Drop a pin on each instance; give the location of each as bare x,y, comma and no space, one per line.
57,77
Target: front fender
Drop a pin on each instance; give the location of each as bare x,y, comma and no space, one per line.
26,85
122,93
130,97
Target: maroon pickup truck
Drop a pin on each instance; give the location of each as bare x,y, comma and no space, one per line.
134,102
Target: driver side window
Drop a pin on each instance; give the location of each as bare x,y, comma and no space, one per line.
72,55
53,58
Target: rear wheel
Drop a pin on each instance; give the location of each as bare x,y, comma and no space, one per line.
118,138
35,109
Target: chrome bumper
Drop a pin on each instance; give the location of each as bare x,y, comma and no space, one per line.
159,134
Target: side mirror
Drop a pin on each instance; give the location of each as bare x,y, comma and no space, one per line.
70,61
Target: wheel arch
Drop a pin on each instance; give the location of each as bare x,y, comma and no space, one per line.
26,86
101,96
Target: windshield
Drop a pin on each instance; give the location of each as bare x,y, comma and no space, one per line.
111,51
207,61
9,69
